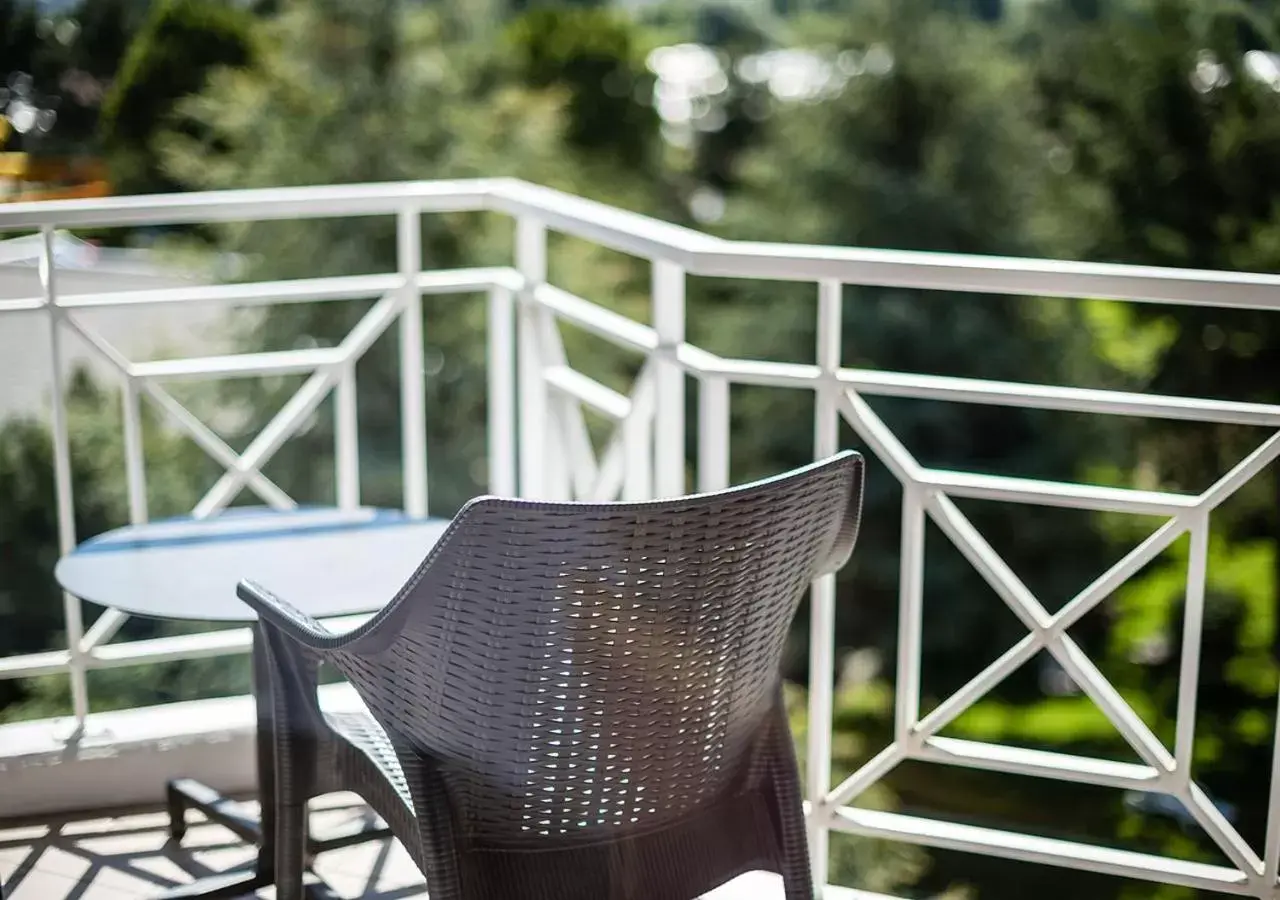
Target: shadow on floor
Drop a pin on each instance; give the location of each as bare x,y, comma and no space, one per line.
130,857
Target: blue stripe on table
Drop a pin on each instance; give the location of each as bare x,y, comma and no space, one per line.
121,542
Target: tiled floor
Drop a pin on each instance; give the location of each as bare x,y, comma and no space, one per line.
129,857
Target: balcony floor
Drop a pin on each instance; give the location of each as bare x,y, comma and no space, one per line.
129,857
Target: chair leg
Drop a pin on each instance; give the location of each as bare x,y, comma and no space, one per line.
289,713
177,806
291,850
797,876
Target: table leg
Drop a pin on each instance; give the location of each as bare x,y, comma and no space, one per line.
184,794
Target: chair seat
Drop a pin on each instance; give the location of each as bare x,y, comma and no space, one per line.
366,740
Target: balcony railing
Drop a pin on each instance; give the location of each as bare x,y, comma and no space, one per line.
539,447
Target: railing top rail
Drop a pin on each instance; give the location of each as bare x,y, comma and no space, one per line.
992,274
698,253
255,204
609,226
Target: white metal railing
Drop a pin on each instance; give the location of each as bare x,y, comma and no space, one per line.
536,396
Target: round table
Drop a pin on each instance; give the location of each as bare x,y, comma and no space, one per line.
327,562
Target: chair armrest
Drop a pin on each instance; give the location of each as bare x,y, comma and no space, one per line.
290,646
289,619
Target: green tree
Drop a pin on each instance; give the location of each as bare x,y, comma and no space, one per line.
179,44
102,34
591,53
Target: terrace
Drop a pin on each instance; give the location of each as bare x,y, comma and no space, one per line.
81,792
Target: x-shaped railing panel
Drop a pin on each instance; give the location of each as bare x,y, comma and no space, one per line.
925,494
624,468
241,470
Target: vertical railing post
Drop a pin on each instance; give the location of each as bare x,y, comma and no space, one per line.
1192,628
557,481
62,476
346,437
134,456
713,433
910,613
1271,852
638,481
637,446
413,412
110,621
822,615
502,387
669,418
568,444
531,260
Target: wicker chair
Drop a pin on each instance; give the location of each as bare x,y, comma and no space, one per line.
574,701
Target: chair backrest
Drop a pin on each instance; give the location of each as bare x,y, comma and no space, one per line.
578,672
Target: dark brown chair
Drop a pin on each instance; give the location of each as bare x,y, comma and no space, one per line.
574,701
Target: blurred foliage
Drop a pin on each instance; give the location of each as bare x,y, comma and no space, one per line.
179,43
72,58
1136,131
592,54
